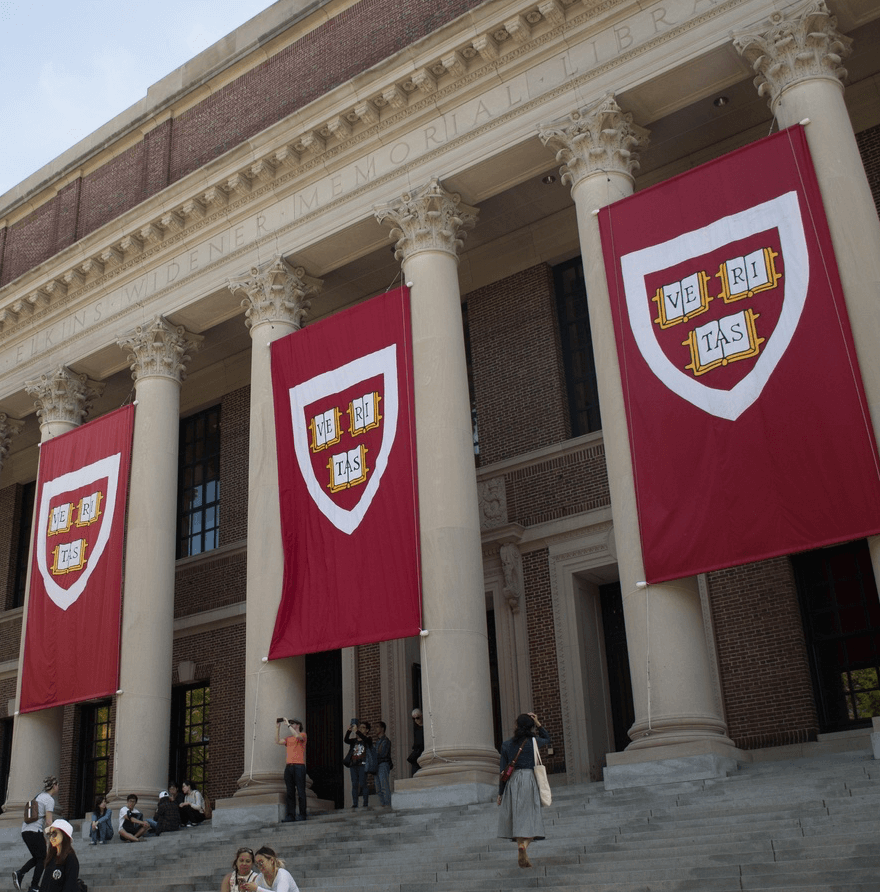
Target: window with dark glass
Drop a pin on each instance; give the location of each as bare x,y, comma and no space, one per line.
199,483
22,546
96,747
190,734
577,347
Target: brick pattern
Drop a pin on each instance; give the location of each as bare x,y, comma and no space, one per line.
219,656
869,146
542,650
517,365
559,487
234,439
10,507
331,54
765,673
368,704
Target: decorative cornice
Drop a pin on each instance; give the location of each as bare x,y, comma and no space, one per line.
787,49
275,292
427,219
160,350
599,138
63,396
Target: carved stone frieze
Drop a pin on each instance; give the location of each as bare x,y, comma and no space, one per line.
427,219
511,567
788,48
597,138
63,396
275,292
492,496
160,349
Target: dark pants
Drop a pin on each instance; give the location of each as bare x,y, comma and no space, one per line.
36,843
295,781
359,784
189,815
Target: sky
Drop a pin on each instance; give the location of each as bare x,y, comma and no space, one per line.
69,66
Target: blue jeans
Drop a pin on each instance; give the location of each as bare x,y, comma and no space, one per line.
359,784
383,783
103,833
295,781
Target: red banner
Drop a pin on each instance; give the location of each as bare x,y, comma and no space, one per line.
344,424
71,650
749,429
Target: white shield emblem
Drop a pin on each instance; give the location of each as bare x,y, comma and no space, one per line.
731,322
344,425
75,520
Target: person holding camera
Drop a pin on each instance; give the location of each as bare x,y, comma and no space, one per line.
295,768
356,760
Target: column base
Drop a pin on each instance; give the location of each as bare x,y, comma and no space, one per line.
875,736
260,809
452,788
673,763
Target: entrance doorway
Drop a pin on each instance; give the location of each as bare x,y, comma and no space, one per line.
617,658
324,725
841,614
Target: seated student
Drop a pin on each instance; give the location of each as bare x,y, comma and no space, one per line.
192,809
132,825
167,815
101,830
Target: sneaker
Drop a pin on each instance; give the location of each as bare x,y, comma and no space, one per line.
94,842
16,879
103,842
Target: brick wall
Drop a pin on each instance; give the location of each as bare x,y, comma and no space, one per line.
368,703
235,410
542,651
517,365
330,55
10,506
869,146
765,674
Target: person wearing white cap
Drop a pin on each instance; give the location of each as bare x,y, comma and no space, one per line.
167,815
62,866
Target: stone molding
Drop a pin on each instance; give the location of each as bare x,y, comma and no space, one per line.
9,429
63,396
492,495
160,350
787,49
275,292
427,219
598,138
511,567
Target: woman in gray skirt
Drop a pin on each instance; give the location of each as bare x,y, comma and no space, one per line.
520,816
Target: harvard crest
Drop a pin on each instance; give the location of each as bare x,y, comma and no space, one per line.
714,310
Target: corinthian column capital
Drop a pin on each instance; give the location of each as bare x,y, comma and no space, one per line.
63,396
427,219
159,350
800,45
599,138
9,429
275,292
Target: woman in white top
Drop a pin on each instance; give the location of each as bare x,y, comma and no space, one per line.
242,872
192,809
275,877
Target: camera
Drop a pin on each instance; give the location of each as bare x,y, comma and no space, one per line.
279,721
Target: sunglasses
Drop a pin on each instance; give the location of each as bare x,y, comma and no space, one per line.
55,833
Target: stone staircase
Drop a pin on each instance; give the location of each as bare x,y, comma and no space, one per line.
812,826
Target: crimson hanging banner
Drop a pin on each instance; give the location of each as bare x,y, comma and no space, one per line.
71,650
344,425
749,429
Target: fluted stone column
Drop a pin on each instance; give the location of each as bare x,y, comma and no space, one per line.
158,352
276,298
797,60
63,400
677,716
460,763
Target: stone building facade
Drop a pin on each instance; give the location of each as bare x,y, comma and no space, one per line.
329,150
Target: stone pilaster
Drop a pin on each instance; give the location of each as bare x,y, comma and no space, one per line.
460,763
797,57
62,400
276,298
675,709
158,353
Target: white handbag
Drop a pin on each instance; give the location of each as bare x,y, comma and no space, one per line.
541,778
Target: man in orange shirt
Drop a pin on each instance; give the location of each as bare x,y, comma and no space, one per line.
295,769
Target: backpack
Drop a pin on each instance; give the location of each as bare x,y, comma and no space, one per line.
82,886
31,811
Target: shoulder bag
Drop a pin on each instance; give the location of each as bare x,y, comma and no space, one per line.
541,778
